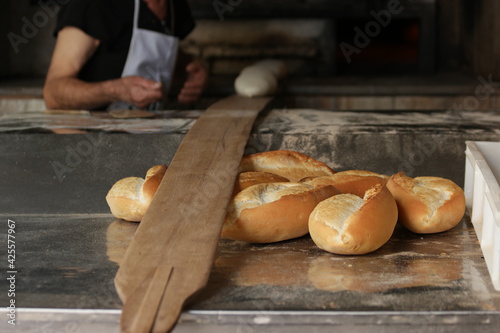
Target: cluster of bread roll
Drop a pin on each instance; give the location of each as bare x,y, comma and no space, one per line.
260,79
281,195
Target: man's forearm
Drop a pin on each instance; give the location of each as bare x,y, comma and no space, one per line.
72,93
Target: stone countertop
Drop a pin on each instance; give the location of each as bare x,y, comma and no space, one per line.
442,91
282,120
222,85
69,246
409,139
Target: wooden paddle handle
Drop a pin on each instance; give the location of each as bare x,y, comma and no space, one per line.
180,231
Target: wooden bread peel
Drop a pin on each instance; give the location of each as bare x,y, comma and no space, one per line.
172,253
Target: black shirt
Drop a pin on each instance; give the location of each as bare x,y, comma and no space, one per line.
111,22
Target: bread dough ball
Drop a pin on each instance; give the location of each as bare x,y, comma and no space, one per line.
255,81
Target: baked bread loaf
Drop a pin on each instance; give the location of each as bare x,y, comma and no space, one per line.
427,204
286,163
351,181
129,198
250,178
274,212
348,224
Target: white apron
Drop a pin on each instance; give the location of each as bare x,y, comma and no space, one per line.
151,55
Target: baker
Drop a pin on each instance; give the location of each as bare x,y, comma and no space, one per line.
116,54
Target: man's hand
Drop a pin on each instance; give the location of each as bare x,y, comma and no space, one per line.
137,90
195,83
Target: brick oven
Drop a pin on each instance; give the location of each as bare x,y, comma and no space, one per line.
420,48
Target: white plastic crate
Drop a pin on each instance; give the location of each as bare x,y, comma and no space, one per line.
482,193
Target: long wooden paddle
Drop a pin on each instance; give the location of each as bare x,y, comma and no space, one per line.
172,253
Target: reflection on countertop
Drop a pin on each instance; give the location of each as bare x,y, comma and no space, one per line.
406,274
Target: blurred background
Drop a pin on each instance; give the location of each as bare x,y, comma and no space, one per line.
341,54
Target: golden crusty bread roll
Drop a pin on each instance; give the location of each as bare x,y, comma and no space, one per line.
351,181
250,178
427,204
348,224
154,176
286,163
267,213
129,198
